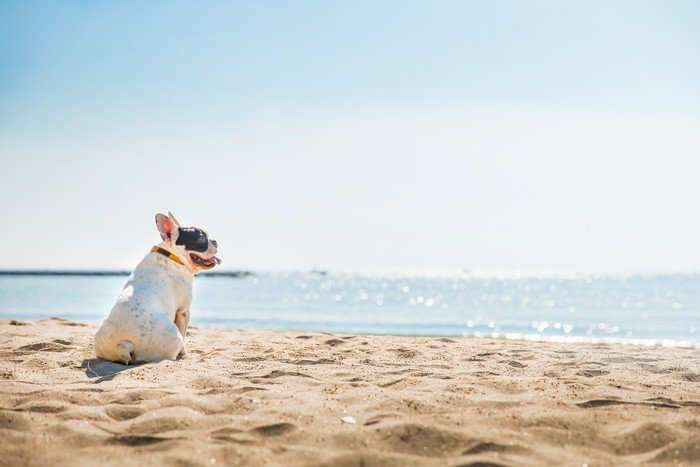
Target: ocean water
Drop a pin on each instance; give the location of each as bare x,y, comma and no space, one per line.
650,310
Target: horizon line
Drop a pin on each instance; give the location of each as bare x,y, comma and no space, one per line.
444,272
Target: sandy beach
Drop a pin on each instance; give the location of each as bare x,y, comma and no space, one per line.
253,397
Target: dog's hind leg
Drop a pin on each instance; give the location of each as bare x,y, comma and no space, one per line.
125,351
182,320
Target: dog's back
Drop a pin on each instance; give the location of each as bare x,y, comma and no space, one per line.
141,325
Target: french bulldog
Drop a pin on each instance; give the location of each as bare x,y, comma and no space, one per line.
150,318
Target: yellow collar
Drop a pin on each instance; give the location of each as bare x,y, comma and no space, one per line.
167,254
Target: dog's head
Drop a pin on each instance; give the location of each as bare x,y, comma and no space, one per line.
191,244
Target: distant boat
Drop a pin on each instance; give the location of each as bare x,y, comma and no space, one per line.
318,272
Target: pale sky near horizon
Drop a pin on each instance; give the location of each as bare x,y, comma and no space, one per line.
344,135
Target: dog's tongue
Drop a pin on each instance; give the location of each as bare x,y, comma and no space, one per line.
216,260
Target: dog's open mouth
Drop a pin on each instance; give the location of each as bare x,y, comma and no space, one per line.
207,263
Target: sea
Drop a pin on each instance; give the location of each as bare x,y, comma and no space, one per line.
634,309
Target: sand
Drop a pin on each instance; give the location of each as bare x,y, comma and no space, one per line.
252,397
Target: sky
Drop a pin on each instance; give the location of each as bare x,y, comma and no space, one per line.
541,135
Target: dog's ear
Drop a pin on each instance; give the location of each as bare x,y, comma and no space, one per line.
166,227
172,217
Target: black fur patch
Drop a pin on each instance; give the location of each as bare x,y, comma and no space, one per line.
193,239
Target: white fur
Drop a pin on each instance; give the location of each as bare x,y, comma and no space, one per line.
150,318
158,292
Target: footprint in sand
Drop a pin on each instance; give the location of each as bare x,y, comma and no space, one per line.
592,373
275,429
124,413
593,403
135,440
58,345
320,361
488,446
378,418
334,342
279,373
65,322
405,353
42,408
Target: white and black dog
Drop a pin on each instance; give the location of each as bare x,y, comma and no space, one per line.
150,318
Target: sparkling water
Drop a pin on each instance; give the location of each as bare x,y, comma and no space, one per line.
653,309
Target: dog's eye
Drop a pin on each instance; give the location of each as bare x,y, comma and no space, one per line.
202,240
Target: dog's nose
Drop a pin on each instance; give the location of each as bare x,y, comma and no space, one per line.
216,245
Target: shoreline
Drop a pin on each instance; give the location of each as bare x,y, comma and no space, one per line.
513,337
268,397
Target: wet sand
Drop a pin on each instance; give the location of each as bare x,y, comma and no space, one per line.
253,397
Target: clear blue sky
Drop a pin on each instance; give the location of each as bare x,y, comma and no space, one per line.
482,134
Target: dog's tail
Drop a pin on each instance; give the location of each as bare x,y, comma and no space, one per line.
125,351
